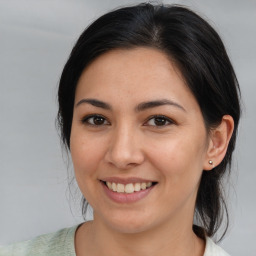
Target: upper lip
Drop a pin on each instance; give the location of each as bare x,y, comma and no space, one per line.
126,180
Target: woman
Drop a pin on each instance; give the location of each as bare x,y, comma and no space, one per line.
149,109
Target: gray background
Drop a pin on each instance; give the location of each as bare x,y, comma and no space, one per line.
35,40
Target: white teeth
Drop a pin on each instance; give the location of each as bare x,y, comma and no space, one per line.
149,184
143,185
128,188
114,188
109,185
120,188
137,187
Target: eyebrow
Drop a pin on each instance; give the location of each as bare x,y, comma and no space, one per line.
96,103
156,103
141,107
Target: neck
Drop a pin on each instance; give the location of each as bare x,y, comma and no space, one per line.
160,240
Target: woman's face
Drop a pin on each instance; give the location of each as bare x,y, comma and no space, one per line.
135,123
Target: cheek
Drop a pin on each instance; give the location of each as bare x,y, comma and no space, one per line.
179,166
178,157
85,153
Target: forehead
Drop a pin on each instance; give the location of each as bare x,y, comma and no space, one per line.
141,72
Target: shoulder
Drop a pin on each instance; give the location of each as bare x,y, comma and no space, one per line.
57,243
211,249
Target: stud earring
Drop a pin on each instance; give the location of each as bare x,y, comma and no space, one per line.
210,162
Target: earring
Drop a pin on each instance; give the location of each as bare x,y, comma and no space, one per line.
210,162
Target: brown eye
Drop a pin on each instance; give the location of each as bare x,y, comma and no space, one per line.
98,120
159,121
95,120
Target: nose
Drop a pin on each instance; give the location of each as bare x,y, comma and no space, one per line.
125,149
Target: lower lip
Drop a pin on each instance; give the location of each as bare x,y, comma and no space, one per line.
125,197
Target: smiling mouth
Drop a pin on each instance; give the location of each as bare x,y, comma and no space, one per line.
128,188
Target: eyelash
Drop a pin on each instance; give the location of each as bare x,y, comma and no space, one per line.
86,119
163,118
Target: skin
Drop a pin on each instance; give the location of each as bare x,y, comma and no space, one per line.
130,143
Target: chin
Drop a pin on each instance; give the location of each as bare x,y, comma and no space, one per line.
130,223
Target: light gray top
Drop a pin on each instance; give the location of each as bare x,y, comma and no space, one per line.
61,243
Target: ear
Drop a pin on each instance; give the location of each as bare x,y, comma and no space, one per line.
218,144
